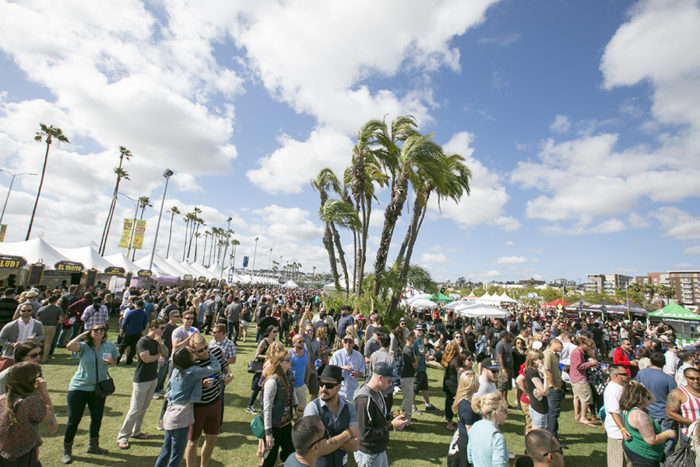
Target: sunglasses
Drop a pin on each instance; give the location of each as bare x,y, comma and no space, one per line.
348,341
188,319
322,438
34,354
328,385
27,311
99,330
458,337
690,378
309,330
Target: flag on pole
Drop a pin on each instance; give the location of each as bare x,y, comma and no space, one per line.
126,233
139,234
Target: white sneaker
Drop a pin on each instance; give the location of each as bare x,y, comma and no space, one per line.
397,390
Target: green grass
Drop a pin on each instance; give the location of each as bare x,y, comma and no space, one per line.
236,446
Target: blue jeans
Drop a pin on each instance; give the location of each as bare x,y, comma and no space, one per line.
173,449
539,420
162,375
371,460
554,398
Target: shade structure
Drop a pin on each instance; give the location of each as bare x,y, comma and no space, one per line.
200,270
184,266
121,260
675,311
506,299
160,266
88,256
481,311
290,284
440,298
455,304
556,303
422,304
35,250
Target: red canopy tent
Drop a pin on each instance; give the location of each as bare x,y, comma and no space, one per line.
556,303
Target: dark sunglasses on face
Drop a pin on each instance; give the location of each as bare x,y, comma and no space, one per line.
24,310
322,438
99,329
200,350
328,385
34,354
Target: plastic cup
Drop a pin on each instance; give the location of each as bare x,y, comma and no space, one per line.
105,357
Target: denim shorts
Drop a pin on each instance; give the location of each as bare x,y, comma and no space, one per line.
539,420
371,460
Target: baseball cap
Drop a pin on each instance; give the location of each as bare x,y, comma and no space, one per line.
490,364
402,320
383,369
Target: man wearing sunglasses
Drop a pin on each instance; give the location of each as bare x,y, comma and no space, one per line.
25,328
310,439
353,364
544,449
338,417
614,425
683,403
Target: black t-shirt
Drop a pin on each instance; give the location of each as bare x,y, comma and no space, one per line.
540,406
146,371
168,336
267,321
8,307
408,357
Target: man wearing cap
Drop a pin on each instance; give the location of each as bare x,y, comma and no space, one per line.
353,365
30,297
337,414
373,418
687,359
487,378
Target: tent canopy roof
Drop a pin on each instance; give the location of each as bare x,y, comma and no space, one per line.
675,311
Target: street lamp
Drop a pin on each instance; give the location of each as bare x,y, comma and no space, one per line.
269,268
255,251
167,174
13,175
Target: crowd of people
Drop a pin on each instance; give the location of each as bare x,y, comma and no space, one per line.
323,381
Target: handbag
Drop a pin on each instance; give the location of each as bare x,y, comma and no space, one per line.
255,366
103,388
681,457
258,427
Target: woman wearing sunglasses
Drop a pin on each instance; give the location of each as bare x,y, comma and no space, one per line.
95,354
279,404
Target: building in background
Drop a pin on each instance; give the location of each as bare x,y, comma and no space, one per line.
606,283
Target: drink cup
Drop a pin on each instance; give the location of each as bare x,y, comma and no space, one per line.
105,357
511,459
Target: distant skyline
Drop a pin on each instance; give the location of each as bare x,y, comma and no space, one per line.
579,121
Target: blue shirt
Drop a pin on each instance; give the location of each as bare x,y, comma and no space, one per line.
417,347
85,378
486,446
312,410
659,384
341,358
135,321
343,324
186,386
299,367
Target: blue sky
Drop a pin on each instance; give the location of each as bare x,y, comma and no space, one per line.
578,119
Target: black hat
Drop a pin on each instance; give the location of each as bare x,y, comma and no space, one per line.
490,364
332,373
383,369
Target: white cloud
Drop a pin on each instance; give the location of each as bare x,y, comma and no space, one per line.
509,243
515,260
561,124
677,223
284,224
693,250
434,258
502,40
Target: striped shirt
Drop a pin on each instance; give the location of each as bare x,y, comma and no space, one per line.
689,409
211,394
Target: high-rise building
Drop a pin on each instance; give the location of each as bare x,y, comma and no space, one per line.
686,285
606,283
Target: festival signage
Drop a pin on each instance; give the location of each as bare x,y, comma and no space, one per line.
115,271
91,277
12,262
126,233
202,279
3,230
36,272
187,277
69,266
144,273
139,233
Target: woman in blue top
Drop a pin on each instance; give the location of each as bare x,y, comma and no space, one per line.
487,446
467,387
95,354
184,389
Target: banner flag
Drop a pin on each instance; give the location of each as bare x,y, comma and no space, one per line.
139,234
126,233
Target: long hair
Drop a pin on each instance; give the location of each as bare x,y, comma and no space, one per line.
21,378
451,351
88,338
634,395
273,363
466,388
531,357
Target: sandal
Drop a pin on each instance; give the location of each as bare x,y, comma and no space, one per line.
123,445
141,436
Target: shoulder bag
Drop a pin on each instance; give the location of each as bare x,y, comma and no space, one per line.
102,388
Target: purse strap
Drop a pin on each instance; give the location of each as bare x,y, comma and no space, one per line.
97,370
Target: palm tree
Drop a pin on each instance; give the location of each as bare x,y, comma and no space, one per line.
196,241
144,202
342,214
172,211
124,153
325,180
47,134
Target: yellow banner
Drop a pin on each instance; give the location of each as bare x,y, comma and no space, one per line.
139,234
126,233
3,229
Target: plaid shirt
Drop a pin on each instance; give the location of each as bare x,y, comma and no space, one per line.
92,317
228,348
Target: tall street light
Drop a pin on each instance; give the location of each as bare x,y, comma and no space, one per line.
167,174
13,175
269,268
255,251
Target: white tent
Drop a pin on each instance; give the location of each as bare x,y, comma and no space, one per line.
34,251
290,284
87,255
200,270
455,304
422,304
120,260
160,266
187,268
481,311
216,271
506,299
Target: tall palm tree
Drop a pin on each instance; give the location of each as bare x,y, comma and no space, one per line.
144,202
124,153
324,181
418,154
172,211
341,214
196,241
207,233
47,134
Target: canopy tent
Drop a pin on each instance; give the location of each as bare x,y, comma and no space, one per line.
290,284
160,268
506,299
488,299
216,271
88,256
481,311
455,304
471,295
199,270
556,303
34,251
120,260
422,304
620,309
675,311
439,298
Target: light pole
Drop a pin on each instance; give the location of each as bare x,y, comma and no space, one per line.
255,252
13,175
133,225
269,268
167,174
228,240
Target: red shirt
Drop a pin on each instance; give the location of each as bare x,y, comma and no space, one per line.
579,365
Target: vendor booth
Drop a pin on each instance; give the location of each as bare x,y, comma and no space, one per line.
684,322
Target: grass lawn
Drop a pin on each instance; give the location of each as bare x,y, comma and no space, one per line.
236,446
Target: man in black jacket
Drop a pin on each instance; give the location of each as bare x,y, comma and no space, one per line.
372,418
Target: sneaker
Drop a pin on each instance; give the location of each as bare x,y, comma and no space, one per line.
415,411
397,390
251,410
431,408
160,425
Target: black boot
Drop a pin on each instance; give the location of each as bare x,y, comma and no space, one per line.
94,447
67,453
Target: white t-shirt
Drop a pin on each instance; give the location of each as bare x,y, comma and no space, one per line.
611,396
25,330
485,387
671,365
